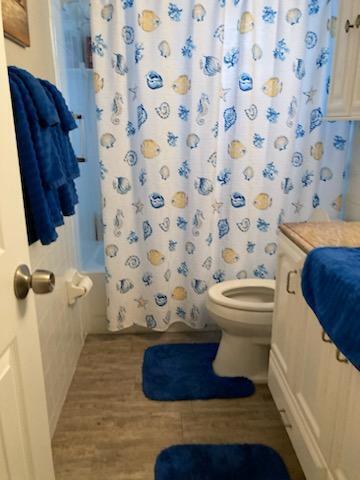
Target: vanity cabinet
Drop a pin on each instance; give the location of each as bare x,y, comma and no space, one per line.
345,460
344,95
313,387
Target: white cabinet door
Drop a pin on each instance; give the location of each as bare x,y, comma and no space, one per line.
344,62
317,383
289,310
25,451
345,461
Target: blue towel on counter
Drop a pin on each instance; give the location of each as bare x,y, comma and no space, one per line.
331,286
48,164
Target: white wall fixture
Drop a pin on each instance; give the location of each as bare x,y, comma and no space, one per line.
79,286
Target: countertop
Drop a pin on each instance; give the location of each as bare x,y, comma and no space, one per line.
309,235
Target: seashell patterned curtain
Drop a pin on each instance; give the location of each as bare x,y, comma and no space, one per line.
212,132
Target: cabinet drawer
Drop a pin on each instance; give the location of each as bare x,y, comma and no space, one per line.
304,443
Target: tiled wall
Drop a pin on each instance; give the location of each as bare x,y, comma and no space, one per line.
61,335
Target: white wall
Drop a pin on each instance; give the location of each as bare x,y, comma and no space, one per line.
59,325
38,58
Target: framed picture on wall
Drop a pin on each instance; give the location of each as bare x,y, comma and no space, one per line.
15,19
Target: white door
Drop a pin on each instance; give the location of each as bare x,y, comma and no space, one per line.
25,449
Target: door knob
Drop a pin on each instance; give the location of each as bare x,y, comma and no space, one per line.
41,281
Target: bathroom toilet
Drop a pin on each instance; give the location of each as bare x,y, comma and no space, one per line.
243,310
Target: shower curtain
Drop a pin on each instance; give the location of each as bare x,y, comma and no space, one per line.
212,132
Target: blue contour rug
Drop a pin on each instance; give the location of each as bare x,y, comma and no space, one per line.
220,462
184,372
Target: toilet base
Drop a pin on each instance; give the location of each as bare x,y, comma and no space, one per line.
242,357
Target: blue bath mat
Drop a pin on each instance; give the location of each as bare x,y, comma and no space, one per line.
220,462
184,372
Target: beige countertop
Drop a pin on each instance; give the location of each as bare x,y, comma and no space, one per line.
309,235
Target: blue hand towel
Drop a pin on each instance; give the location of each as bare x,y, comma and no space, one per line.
331,287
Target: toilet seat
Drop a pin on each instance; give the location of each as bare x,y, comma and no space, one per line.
250,293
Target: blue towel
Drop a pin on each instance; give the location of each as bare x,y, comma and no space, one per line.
66,118
52,172
38,215
46,110
61,131
67,193
331,286
48,164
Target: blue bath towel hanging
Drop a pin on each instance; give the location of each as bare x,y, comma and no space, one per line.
52,173
48,164
46,110
37,212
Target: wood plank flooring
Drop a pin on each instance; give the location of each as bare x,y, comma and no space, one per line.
108,430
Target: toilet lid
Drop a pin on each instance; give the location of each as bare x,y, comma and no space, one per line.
246,294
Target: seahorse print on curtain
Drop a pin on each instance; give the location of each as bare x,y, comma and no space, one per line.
212,132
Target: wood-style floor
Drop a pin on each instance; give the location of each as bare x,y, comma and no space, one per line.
108,430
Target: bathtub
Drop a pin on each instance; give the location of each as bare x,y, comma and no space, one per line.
95,261
94,305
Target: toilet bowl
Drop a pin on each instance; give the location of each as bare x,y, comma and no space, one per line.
243,310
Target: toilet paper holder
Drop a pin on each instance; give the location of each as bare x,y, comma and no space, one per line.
78,286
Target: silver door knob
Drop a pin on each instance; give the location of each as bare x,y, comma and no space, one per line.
41,281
